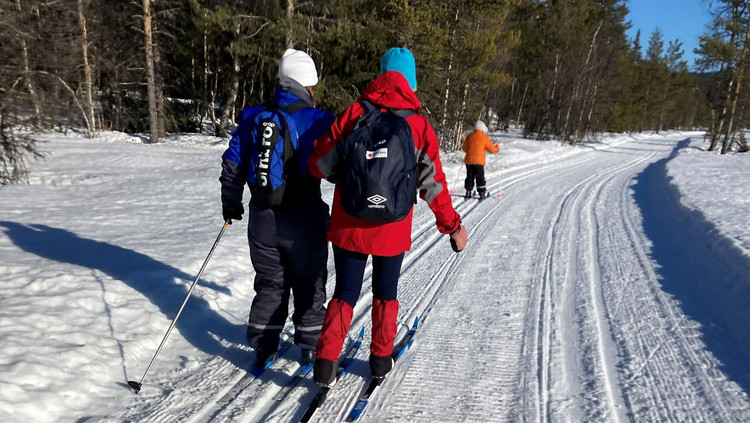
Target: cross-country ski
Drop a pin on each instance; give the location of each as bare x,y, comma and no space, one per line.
375,382
323,392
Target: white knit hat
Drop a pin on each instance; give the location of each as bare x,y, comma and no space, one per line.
297,65
481,126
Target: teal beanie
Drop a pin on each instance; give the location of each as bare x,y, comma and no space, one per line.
401,60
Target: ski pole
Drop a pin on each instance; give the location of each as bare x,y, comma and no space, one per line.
137,385
460,171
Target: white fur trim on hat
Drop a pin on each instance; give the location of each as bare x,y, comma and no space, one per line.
481,126
297,65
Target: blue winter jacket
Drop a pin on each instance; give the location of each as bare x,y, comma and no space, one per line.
305,126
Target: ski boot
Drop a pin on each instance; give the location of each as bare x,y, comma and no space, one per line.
308,356
324,373
262,358
380,366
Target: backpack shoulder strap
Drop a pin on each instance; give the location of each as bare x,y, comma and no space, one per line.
295,106
369,107
403,113
288,146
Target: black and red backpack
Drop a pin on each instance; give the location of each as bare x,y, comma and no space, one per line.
377,176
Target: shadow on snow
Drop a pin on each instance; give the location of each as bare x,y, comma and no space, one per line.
700,268
198,324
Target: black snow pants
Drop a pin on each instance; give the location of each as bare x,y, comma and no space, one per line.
289,252
475,171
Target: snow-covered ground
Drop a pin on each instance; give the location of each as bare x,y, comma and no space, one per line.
604,282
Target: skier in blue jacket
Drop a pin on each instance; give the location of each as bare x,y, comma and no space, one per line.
288,246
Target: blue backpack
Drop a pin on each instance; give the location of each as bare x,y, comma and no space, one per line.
378,181
273,162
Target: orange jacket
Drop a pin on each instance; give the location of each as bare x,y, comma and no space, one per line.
475,145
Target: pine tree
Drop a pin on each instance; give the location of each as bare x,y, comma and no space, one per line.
724,49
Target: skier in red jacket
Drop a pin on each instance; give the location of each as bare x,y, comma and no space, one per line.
354,239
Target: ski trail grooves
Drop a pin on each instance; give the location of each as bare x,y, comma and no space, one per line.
480,230
592,308
569,360
670,352
544,323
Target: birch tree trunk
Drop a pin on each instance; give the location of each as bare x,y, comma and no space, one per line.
724,106
553,93
577,90
161,117
27,73
579,131
212,100
86,69
289,21
459,125
205,94
722,116
153,114
592,106
520,107
726,143
226,113
71,92
735,137
444,120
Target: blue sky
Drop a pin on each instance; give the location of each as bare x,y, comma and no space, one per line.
683,19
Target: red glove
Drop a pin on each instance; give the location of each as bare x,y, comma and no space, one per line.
459,238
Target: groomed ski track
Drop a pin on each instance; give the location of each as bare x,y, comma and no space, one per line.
555,312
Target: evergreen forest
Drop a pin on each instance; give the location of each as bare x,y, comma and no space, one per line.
555,69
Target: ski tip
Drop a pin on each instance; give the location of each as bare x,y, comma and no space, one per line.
416,321
135,385
361,332
357,411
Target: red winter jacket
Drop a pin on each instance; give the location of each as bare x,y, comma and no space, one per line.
389,90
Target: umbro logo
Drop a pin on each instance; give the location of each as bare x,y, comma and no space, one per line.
377,199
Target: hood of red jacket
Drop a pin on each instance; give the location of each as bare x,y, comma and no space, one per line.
392,90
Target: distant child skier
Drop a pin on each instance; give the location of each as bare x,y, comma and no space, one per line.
475,146
286,233
354,239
